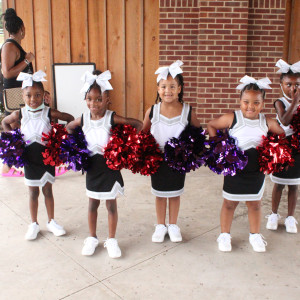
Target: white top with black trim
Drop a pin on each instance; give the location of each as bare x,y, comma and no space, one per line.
163,128
97,132
249,132
287,129
34,124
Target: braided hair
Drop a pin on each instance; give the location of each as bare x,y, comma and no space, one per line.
13,23
95,84
253,87
179,79
289,73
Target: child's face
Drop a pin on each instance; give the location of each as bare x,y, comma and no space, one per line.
251,104
290,83
168,90
33,96
96,102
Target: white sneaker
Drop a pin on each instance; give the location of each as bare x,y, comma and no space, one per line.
257,242
113,248
90,244
56,229
290,224
272,223
174,233
224,242
32,231
159,234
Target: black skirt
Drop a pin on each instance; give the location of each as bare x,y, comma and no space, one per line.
167,182
248,184
36,172
102,183
291,176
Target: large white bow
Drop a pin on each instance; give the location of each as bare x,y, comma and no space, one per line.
29,78
261,83
285,67
174,69
102,80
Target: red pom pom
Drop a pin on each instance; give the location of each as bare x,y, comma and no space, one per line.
147,156
120,147
274,154
54,140
295,123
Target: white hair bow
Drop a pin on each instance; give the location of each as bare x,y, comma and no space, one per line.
285,67
29,78
174,69
261,83
102,80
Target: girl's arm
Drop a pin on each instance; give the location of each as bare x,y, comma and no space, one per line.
73,124
56,114
285,116
147,122
223,122
194,121
274,127
128,121
12,118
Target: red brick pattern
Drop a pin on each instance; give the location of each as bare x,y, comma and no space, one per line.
219,42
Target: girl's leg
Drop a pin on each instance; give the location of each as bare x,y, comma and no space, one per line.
49,200
112,210
227,212
276,196
92,216
161,209
254,215
174,204
292,199
34,192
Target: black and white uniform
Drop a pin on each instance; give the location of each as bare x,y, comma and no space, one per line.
291,176
33,125
167,182
102,183
248,184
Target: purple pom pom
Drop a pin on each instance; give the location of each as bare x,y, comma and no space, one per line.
222,155
12,148
184,154
74,151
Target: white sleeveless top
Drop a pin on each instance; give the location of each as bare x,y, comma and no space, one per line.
97,132
34,124
287,129
248,132
163,128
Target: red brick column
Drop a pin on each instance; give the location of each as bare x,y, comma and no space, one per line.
219,42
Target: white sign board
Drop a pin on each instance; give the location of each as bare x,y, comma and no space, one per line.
67,86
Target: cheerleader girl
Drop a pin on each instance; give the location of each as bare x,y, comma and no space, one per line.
248,126
34,120
167,119
285,107
102,183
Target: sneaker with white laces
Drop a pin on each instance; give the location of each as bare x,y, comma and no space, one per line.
174,233
90,244
257,242
290,224
32,231
56,229
272,223
113,248
224,242
159,234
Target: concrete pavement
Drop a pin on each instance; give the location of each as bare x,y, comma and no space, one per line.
53,267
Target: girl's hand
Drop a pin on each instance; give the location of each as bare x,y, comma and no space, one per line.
29,56
296,96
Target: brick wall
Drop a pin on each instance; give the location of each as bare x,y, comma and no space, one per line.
219,42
